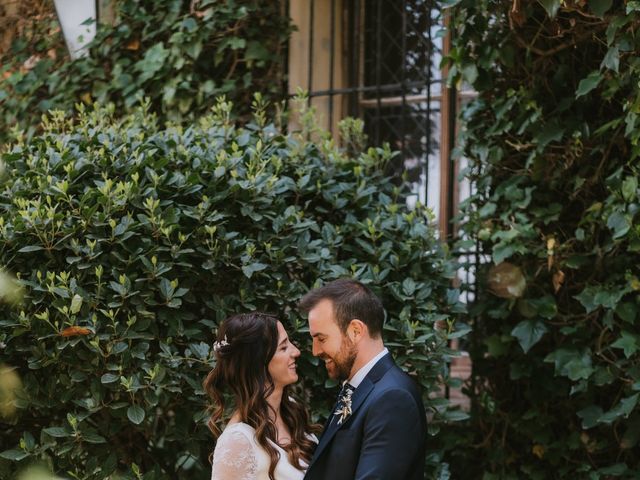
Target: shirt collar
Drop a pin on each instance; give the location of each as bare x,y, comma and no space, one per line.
360,374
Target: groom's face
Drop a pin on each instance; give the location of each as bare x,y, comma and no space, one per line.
329,343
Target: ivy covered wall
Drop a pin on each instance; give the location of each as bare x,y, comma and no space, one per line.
180,54
553,146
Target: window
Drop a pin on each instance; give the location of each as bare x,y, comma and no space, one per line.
379,60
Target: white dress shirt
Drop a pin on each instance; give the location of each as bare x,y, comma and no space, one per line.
360,374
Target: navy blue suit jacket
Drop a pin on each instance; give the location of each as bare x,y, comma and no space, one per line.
383,438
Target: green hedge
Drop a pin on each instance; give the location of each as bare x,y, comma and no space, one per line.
134,242
180,54
553,146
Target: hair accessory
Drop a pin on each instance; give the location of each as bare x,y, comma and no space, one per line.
217,345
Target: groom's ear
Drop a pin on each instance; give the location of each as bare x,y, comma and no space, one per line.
356,329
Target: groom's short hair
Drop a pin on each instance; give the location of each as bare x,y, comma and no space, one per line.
351,299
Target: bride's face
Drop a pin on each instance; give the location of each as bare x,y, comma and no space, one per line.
282,366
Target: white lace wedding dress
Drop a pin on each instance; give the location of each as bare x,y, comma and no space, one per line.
239,456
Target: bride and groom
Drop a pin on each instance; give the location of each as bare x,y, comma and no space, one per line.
377,429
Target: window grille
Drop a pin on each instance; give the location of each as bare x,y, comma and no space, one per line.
379,60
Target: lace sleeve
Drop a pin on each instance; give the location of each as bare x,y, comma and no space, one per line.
234,458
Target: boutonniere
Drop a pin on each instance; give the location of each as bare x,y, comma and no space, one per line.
345,406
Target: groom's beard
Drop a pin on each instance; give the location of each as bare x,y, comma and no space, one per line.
341,365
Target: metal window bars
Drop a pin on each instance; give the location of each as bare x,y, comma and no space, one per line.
379,60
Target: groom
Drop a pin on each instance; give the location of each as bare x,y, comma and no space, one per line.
378,427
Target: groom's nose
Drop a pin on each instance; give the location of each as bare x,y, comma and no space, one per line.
315,350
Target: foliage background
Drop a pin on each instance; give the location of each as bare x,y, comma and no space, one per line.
181,54
135,241
552,141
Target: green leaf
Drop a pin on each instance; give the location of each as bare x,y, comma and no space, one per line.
153,61
58,432
612,59
619,223
109,378
194,49
234,43
502,251
630,188
409,286
497,346
256,51
627,311
166,288
545,306
628,342
136,414
14,455
528,333
593,297
470,73
455,415
551,6
589,83
174,303
76,303
119,348
459,332
600,7
117,287
30,248
590,416
487,210
633,6
577,261
572,363
622,409
249,270
169,93
615,470
551,132
190,24
91,437
628,404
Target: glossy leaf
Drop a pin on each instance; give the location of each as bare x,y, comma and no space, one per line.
551,6
136,414
528,333
628,342
588,83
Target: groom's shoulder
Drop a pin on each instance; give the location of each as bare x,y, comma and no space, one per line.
397,379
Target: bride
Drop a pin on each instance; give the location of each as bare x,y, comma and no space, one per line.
269,435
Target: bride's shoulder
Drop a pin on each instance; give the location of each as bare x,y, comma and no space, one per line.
235,437
238,428
235,454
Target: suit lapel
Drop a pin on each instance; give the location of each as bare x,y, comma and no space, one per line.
359,396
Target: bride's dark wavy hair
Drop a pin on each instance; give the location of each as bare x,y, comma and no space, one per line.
246,344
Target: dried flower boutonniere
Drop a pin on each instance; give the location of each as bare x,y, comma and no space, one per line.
344,405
